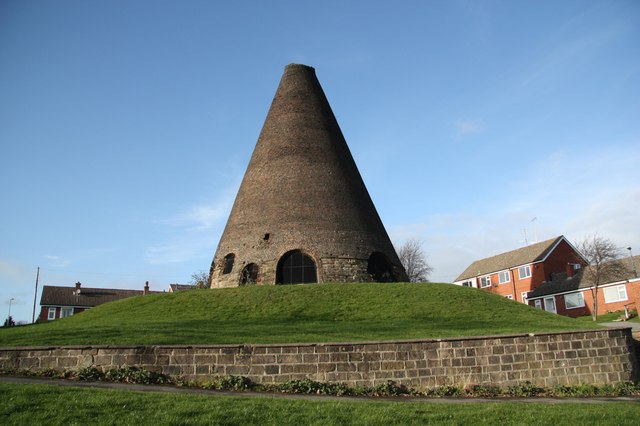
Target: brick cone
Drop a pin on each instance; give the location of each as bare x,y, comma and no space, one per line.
303,213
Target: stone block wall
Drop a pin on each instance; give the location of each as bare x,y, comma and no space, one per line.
571,358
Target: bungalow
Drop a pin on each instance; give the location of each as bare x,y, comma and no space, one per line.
572,295
515,273
60,302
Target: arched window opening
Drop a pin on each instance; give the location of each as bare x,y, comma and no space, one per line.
228,263
296,267
249,275
380,268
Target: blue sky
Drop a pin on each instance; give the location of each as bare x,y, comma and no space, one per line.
126,126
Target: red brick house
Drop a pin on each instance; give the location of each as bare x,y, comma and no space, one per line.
573,295
60,302
515,273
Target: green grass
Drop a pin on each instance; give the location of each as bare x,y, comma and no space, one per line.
295,314
48,404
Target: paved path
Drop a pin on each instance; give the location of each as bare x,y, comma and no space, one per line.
635,326
411,399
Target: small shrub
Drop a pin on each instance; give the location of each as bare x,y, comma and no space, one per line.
135,375
391,388
307,386
525,390
445,391
89,374
483,391
235,383
627,389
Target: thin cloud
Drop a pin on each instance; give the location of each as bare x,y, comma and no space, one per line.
470,127
194,231
571,195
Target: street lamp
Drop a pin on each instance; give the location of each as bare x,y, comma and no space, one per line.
9,319
633,262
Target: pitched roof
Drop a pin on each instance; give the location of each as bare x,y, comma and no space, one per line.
181,287
522,256
581,280
89,297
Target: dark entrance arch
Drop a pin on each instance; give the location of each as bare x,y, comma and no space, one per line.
295,267
380,268
249,274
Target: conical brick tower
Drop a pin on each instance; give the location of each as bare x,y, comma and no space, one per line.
303,213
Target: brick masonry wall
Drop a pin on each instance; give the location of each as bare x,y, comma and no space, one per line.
585,357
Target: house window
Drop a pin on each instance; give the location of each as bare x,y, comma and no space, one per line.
616,293
574,300
523,296
485,281
509,296
52,314
524,272
467,284
66,312
538,304
550,304
504,277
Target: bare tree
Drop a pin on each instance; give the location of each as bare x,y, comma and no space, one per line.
604,267
414,261
200,280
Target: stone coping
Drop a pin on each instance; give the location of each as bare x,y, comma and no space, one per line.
310,344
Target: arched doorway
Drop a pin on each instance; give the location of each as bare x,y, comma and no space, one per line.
380,268
295,267
249,274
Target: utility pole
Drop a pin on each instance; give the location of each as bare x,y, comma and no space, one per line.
35,296
633,262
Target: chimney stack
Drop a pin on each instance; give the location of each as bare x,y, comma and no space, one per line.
78,284
146,288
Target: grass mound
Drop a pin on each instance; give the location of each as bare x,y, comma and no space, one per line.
294,314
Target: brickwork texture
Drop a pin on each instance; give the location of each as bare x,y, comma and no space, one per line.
302,191
586,357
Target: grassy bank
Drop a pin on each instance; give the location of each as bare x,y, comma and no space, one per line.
46,404
288,314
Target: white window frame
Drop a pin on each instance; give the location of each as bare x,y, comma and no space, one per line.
523,295
502,274
620,293
580,303
66,312
538,303
550,304
484,280
527,273
467,283
509,296
52,314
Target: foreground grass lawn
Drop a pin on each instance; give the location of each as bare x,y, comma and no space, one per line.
295,314
48,404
